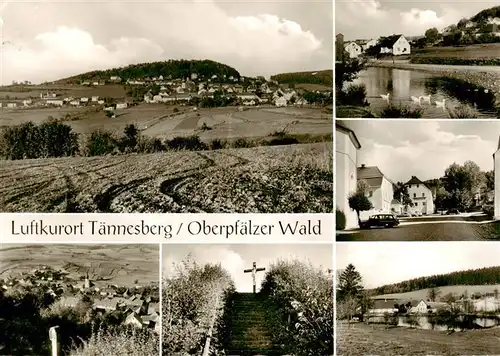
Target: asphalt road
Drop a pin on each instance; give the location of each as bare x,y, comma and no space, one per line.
439,231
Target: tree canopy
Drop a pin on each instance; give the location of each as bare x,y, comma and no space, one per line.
324,77
481,276
173,68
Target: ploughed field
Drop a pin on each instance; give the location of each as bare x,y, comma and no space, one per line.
280,179
119,264
168,121
363,339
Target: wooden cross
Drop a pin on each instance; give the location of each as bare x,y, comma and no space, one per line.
254,271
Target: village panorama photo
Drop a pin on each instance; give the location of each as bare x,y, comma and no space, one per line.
423,298
241,299
414,180
213,107
413,59
79,300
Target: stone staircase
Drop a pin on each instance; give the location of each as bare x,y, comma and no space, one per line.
249,334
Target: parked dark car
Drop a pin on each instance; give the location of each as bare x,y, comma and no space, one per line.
380,220
452,212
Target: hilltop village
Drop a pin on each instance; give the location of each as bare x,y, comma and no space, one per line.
191,90
137,305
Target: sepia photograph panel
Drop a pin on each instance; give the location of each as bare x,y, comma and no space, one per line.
212,107
417,180
423,298
247,299
414,59
79,300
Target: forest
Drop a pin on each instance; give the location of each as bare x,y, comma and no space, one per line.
481,276
172,69
324,77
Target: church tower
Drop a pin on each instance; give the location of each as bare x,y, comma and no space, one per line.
496,172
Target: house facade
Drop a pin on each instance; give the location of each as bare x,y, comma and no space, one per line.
396,45
353,49
380,191
383,306
346,148
420,195
396,206
424,307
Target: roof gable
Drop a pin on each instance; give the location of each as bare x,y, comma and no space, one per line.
340,125
389,42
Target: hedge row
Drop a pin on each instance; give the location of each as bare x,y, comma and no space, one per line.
456,61
55,139
191,296
301,297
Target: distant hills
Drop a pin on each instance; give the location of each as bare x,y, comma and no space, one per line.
322,77
481,276
169,69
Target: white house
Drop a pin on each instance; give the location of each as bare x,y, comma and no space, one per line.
489,304
383,306
353,49
121,106
424,307
11,105
368,44
396,45
54,102
281,101
346,147
133,319
420,195
95,98
380,191
396,206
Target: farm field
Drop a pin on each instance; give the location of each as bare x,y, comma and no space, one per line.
161,121
268,179
115,91
472,51
363,339
118,264
457,290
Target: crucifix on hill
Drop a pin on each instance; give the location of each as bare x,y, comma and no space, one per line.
254,271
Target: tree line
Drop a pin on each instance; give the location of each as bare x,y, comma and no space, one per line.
171,68
480,276
322,77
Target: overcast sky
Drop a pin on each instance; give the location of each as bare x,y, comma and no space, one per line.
46,40
424,148
358,19
236,258
391,262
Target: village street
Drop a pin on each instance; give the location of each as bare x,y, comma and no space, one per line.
427,231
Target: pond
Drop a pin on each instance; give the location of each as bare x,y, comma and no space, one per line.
403,84
429,323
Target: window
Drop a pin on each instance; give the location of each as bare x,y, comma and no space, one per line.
423,195
370,194
418,185
424,204
414,195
